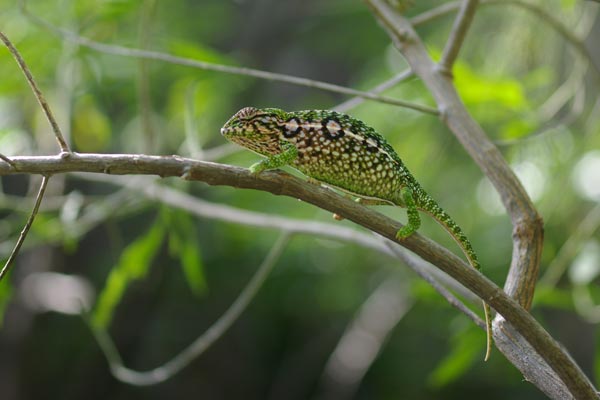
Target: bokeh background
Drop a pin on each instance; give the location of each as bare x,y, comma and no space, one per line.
156,276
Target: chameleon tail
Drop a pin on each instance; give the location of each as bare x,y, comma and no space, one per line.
428,205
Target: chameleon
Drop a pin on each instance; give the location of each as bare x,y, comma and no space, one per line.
341,151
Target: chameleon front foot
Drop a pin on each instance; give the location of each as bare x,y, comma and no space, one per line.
414,220
405,232
257,168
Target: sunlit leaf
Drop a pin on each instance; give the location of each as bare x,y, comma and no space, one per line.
478,88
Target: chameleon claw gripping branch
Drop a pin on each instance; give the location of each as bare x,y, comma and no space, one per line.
345,153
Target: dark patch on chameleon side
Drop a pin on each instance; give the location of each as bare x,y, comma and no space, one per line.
289,133
328,134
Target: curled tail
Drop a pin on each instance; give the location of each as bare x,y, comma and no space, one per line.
425,203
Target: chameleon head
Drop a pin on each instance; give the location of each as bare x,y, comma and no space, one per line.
256,129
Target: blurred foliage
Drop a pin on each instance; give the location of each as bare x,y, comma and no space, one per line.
163,275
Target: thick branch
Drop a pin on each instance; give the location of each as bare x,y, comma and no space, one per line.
280,183
527,224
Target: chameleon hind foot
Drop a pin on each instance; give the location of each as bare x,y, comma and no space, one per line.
414,220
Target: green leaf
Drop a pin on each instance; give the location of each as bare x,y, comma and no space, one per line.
184,246
477,88
134,263
196,51
461,357
6,292
517,128
91,127
193,269
553,297
597,358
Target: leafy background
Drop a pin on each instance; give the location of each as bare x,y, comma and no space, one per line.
161,276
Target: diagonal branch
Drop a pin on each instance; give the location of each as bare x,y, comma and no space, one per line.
203,342
351,103
280,183
527,224
457,35
25,231
577,43
37,92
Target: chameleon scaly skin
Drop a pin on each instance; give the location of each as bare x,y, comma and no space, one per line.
343,152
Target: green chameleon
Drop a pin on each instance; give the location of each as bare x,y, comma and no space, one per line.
343,152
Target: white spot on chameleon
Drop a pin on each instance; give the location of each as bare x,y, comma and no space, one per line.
291,125
333,127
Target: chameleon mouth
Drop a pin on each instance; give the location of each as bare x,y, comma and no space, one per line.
225,131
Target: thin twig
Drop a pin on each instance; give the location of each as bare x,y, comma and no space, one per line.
549,110
536,10
351,103
143,83
25,231
255,73
6,160
416,265
457,35
203,342
585,229
224,213
64,147
527,224
434,13
205,209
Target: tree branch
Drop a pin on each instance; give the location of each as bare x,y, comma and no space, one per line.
280,183
536,10
527,224
203,342
37,92
25,231
457,35
271,76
